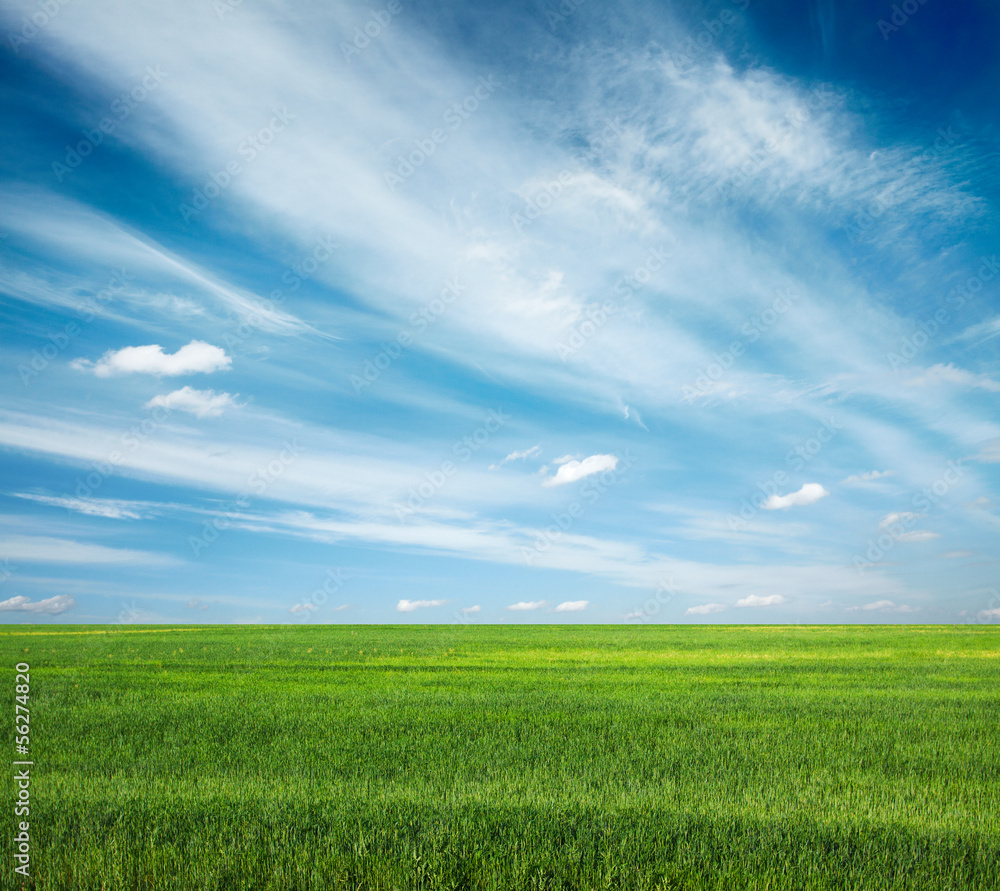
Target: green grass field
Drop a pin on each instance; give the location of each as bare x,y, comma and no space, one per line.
511,757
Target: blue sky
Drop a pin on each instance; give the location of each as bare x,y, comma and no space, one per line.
521,312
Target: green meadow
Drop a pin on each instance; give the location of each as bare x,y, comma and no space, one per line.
510,757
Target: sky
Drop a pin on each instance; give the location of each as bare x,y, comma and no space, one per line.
441,312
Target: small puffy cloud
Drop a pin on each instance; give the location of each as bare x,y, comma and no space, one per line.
900,517
526,604
471,610
756,600
866,477
572,606
197,357
201,403
408,606
989,614
193,603
956,555
705,609
573,470
533,452
949,374
303,608
51,606
884,606
810,493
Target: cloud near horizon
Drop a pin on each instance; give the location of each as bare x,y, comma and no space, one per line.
51,606
409,606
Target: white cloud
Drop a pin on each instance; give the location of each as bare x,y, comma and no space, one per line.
956,555
44,549
517,456
980,503
990,453
408,606
573,470
866,477
983,331
302,607
470,610
989,614
572,606
884,606
949,374
93,507
197,357
201,403
901,517
756,600
917,535
810,493
194,603
533,604
51,606
705,609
